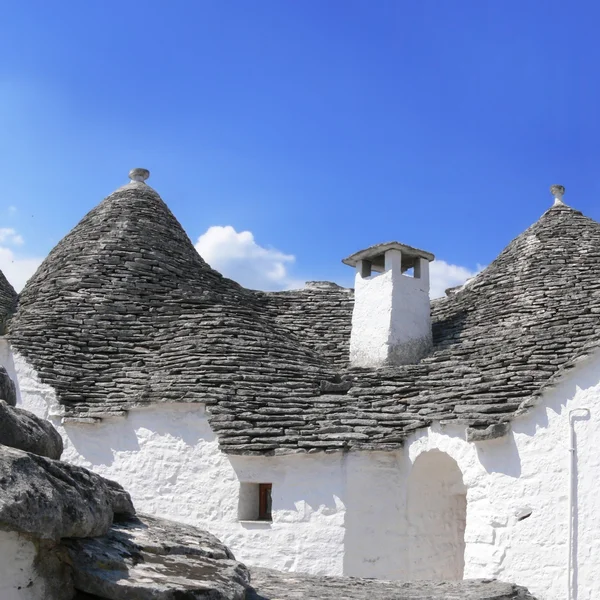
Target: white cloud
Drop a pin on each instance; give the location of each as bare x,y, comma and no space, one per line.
237,256
443,276
234,254
10,236
17,269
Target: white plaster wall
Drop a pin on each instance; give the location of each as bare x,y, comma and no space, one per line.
527,472
410,335
32,394
348,513
18,577
371,319
391,320
374,508
168,458
436,518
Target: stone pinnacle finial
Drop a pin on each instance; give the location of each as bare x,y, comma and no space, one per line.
139,175
558,191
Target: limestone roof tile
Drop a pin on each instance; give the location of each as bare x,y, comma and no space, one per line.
8,301
124,312
499,342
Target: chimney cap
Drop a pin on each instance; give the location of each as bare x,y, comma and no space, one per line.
378,250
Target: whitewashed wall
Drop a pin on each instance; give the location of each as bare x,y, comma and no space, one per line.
391,321
335,513
168,458
435,518
527,472
19,579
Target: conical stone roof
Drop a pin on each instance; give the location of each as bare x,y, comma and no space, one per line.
124,311
508,334
499,342
8,301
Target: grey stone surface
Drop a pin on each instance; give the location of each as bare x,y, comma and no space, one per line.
8,302
491,432
147,557
377,251
23,430
499,342
8,391
49,499
124,312
318,316
276,585
52,566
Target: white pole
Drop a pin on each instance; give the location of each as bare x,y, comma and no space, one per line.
585,411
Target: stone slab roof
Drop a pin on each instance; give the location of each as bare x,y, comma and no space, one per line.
319,316
379,249
124,313
499,342
8,301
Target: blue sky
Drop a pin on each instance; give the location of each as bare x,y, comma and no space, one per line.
319,127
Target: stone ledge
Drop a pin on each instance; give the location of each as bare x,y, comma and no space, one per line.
492,432
268,584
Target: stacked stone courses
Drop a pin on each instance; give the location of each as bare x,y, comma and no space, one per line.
8,302
319,316
124,313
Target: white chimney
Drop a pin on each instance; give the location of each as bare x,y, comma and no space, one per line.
391,322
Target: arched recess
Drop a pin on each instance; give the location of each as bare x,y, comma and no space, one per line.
437,515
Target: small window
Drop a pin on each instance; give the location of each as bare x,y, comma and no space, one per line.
264,501
255,502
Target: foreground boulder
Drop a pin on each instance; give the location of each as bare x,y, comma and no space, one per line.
49,499
148,557
23,430
276,585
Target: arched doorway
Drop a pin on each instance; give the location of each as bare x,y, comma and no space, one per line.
437,514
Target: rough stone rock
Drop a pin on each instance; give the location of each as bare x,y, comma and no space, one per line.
491,432
8,302
8,392
49,499
52,567
148,557
23,430
276,585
